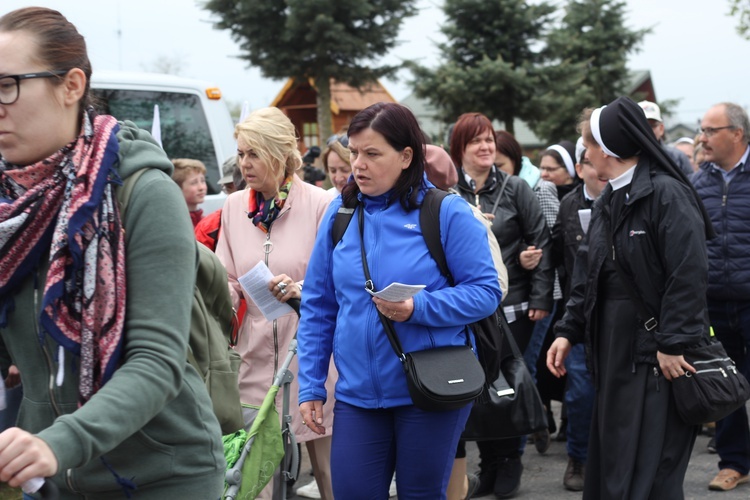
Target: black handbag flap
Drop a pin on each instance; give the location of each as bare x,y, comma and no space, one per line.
447,372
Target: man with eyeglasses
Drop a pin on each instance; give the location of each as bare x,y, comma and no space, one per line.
653,115
723,182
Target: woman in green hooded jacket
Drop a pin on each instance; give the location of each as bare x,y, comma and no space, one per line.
96,317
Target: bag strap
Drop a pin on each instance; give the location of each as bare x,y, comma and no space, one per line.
390,330
126,191
340,223
637,299
429,222
500,194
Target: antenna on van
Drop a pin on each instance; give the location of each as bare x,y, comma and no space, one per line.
156,126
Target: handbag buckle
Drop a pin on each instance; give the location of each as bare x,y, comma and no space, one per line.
650,324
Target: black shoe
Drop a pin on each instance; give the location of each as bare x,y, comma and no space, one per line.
711,446
562,436
542,441
473,485
574,475
485,481
508,479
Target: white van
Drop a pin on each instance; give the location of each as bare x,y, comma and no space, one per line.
195,120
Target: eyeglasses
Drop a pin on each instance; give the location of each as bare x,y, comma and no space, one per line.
712,131
10,85
343,139
550,169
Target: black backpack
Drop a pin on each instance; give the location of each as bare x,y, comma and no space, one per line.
487,331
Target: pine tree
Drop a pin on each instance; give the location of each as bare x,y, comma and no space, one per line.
741,9
593,36
315,40
492,61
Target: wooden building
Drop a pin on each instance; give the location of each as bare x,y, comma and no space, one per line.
298,101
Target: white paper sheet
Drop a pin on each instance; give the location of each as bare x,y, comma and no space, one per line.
584,215
255,283
397,292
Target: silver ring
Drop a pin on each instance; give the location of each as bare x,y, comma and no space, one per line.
281,286
283,292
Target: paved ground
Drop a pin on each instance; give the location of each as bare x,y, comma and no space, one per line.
542,476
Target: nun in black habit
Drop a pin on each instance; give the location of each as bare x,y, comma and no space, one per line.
651,224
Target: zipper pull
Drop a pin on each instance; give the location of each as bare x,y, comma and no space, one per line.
723,372
613,251
724,201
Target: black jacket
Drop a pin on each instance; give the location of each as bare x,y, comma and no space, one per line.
567,235
659,241
518,223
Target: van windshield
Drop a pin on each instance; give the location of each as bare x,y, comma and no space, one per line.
184,128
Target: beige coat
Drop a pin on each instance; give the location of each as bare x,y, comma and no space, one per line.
240,247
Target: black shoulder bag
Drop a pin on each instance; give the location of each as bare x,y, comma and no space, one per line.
716,389
443,378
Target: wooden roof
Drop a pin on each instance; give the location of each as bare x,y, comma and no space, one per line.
343,96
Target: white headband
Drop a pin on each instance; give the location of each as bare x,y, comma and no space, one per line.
597,133
567,160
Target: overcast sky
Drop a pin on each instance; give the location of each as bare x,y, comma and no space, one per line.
694,53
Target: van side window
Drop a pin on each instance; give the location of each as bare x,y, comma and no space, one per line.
184,128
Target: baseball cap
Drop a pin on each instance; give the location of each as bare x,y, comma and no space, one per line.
651,109
227,169
685,140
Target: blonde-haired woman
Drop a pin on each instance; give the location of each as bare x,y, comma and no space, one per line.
337,162
275,221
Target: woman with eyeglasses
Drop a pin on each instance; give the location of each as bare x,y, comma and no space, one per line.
557,164
94,304
645,250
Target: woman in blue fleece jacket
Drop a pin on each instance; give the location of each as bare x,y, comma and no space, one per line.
378,429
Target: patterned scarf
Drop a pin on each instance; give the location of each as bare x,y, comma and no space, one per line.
263,212
66,204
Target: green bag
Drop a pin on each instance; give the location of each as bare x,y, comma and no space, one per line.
211,324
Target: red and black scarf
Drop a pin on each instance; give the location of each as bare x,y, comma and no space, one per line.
66,204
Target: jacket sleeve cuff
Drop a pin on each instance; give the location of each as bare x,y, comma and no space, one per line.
416,313
62,440
544,305
561,331
312,395
672,350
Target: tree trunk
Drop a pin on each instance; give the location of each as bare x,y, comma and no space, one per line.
323,101
509,125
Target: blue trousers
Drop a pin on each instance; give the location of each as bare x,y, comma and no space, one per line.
579,401
369,445
731,323
538,334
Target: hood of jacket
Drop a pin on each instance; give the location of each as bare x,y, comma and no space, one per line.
529,172
139,150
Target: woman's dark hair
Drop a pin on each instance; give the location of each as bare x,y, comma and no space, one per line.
467,127
60,46
554,155
400,128
506,144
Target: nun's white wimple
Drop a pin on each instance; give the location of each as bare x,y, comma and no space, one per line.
567,160
596,132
